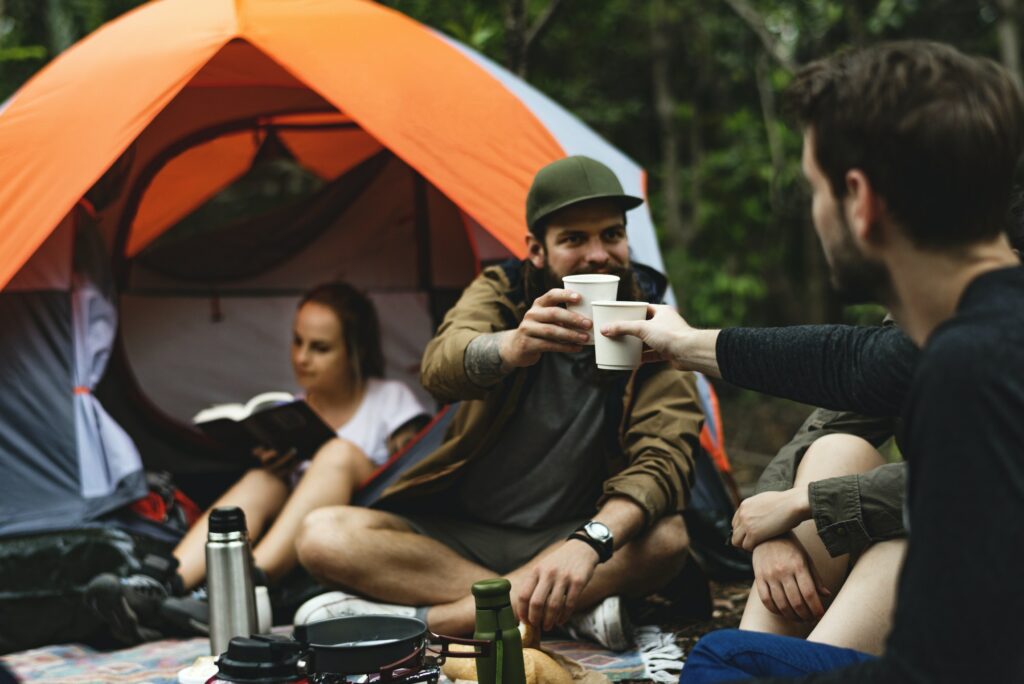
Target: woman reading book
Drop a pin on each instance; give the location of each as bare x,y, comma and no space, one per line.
338,362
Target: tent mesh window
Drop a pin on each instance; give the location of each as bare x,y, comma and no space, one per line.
274,210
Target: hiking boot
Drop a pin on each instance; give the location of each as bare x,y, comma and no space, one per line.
606,624
130,606
336,604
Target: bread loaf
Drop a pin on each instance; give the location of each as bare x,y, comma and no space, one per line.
539,667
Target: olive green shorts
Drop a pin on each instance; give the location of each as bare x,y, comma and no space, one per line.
499,549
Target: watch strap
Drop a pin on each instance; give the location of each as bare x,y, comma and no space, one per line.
604,551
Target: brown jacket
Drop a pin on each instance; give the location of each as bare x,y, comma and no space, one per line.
657,433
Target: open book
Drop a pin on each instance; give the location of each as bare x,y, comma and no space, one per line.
274,420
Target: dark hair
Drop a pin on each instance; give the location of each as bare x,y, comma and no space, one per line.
360,327
937,133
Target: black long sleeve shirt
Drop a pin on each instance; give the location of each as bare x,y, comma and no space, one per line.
959,603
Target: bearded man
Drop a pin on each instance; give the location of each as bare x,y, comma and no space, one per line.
566,479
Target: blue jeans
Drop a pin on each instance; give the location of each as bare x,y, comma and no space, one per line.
731,655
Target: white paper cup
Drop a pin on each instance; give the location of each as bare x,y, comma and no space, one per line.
617,353
592,287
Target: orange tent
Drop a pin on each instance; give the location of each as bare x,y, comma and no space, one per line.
178,68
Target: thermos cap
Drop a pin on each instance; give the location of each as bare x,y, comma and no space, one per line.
492,593
224,519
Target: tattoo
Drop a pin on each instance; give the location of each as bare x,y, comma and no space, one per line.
483,360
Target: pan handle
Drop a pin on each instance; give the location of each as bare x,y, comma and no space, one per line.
397,670
481,647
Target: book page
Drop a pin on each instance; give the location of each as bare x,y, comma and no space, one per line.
267,400
229,411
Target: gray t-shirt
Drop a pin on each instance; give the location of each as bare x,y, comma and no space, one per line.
548,464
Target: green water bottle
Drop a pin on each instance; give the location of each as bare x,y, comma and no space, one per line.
496,622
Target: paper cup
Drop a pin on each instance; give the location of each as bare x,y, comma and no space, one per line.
617,353
592,287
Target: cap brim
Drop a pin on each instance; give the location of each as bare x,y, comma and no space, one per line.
627,202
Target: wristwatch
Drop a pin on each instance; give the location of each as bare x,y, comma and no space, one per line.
598,536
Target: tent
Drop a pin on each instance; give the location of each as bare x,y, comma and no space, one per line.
397,159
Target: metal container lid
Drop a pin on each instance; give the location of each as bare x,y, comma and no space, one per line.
226,519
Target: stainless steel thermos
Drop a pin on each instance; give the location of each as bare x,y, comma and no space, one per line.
229,582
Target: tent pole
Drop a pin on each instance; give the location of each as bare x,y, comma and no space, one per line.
423,244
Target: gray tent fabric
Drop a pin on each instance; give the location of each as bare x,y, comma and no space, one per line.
65,462
107,456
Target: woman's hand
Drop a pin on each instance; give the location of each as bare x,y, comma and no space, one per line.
279,465
767,515
787,581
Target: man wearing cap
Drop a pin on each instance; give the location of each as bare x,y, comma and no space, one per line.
566,479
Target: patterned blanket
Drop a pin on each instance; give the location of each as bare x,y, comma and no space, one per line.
158,662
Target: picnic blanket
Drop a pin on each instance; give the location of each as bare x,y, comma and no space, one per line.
158,662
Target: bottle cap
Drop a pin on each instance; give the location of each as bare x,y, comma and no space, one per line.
227,519
260,658
492,593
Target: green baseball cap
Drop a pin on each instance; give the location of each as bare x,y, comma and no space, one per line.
571,180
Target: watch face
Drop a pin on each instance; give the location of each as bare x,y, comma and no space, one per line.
598,531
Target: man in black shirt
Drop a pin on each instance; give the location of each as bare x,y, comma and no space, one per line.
909,149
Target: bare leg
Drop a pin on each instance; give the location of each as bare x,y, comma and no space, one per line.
258,493
860,617
830,456
376,554
333,475
637,569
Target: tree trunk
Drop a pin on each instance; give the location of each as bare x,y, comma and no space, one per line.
665,108
515,36
1008,35
520,35
766,93
756,22
855,23
60,27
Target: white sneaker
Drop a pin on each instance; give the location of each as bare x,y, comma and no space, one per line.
336,604
606,623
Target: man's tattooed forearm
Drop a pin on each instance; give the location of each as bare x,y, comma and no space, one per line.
483,360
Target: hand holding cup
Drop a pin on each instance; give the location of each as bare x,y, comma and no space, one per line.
546,327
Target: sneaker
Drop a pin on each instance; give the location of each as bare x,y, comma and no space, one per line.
130,606
606,624
336,604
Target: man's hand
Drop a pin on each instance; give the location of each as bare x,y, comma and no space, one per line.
546,327
548,596
786,580
671,339
767,515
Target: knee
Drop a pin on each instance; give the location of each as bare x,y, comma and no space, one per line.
338,454
837,455
322,538
669,541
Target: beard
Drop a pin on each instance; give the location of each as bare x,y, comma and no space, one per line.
546,279
855,277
